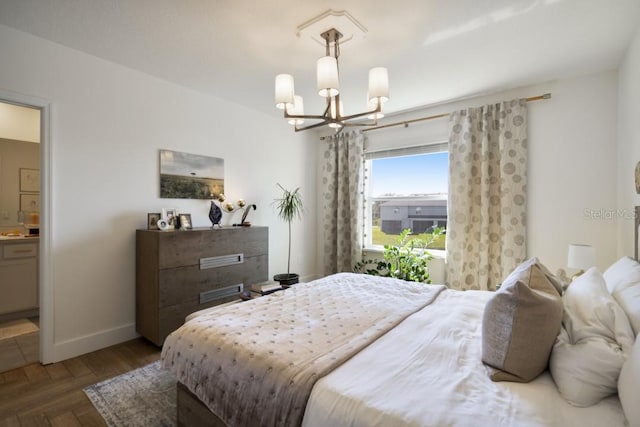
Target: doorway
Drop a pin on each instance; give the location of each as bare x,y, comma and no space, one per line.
24,232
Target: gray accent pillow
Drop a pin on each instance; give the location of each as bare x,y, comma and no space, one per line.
521,322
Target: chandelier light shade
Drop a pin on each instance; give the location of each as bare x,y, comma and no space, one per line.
378,85
372,103
284,91
328,85
327,77
296,110
335,113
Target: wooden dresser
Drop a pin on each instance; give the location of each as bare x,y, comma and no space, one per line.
179,272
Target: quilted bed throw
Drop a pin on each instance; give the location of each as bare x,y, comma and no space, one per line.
255,363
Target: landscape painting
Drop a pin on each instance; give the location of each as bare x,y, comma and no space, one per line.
190,176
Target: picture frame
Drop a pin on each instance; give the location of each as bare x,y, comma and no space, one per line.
171,216
30,202
185,221
163,225
29,180
169,213
152,220
190,176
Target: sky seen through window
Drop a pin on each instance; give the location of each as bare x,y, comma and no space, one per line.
410,175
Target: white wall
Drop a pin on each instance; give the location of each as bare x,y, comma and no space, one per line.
572,170
572,161
108,123
628,143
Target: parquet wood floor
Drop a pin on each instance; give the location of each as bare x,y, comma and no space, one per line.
51,395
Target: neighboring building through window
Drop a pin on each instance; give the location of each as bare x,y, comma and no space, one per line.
406,188
420,214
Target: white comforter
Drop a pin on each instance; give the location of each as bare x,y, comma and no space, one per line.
427,371
255,363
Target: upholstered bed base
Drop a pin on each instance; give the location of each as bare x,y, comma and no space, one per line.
192,412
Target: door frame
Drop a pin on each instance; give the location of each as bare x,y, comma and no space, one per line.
45,268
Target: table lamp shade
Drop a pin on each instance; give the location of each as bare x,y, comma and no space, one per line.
581,257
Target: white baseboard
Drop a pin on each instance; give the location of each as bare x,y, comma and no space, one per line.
309,278
86,344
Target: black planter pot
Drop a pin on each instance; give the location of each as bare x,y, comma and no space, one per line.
287,279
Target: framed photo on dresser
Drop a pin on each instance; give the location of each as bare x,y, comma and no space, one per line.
185,221
152,220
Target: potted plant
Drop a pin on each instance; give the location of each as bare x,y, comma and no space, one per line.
406,260
289,206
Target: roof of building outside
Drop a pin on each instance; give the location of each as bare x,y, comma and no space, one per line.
414,202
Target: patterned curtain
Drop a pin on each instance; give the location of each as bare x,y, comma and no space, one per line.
342,175
486,226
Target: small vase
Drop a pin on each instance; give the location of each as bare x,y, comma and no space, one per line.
215,215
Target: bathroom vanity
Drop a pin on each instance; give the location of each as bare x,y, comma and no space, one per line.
18,277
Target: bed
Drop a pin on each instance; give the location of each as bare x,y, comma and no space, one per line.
338,351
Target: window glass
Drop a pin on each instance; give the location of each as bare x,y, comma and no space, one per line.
405,190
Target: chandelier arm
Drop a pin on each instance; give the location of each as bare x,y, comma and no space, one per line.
374,123
327,108
313,126
324,116
303,116
378,109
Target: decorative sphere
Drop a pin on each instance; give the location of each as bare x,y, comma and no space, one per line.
221,197
228,207
241,203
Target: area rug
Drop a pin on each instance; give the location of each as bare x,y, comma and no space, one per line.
143,397
17,327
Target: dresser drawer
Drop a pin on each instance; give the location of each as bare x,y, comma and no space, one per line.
180,249
19,250
182,284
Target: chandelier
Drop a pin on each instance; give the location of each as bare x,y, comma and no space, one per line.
329,88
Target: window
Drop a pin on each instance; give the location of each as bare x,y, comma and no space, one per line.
405,188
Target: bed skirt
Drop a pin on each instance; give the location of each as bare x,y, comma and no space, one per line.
192,412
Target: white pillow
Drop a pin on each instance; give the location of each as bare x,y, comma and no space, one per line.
622,271
586,372
595,338
629,386
623,282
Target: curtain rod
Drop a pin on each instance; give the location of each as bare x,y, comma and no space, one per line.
405,123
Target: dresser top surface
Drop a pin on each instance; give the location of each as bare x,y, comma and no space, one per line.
202,229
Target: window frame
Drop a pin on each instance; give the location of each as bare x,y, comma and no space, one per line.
368,199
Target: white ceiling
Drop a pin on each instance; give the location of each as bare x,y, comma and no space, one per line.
435,50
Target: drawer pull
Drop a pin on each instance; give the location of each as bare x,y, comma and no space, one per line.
215,294
221,261
22,251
